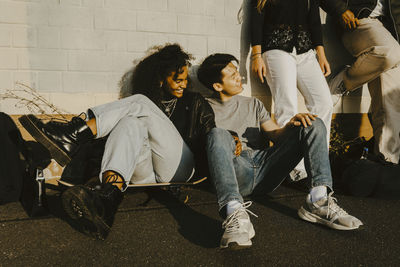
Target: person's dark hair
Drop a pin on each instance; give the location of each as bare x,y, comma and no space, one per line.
209,71
152,70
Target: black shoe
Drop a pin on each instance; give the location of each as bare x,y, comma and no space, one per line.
93,208
61,139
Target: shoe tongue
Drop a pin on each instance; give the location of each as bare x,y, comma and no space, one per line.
322,202
242,214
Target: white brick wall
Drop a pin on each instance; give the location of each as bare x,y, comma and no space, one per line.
75,51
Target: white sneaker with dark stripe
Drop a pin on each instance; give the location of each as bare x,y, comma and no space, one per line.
238,228
326,211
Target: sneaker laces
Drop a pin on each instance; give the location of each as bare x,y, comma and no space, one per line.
334,211
231,224
343,91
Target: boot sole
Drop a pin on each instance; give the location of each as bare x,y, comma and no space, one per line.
77,205
310,217
56,152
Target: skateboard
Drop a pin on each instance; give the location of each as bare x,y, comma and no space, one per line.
178,184
165,184
173,188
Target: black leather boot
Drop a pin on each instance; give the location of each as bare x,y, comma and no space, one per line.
93,208
61,139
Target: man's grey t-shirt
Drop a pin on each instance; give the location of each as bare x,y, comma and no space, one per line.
243,115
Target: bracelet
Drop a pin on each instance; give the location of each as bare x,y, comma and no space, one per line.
254,58
255,54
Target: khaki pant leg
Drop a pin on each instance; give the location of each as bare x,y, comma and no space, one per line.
375,50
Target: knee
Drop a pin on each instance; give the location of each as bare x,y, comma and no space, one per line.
390,56
318,126
218,136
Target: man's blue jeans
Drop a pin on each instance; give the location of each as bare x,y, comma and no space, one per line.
237,176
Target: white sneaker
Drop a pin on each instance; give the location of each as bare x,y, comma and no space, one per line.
336,86
238,228
326,211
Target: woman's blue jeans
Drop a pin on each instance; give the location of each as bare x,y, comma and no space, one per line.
237,176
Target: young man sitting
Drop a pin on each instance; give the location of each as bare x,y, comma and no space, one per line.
238,167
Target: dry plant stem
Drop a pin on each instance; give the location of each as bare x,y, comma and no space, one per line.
32,100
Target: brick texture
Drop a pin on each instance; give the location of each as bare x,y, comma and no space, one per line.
71,48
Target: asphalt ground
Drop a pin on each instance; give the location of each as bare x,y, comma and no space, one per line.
156,228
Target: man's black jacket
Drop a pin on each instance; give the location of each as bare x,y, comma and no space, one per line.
363,8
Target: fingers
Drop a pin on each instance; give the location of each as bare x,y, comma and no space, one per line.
259,68
264,71
349,20
312,116
327,69
353,23
260,75
304,119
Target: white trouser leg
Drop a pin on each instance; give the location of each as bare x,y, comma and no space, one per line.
281,78
314,88
285,73
128,152
171,158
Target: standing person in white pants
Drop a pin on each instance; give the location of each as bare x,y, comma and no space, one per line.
284,36
370,32
156,135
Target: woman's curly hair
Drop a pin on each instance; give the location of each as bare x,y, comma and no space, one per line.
148,75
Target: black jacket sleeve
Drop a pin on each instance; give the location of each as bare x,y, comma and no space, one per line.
314,23
334,8
257,24
206,116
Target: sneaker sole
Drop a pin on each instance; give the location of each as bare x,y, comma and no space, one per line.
83,212
57,153
310,217
234,245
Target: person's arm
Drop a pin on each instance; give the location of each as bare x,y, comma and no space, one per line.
323,62
334,8
276,133
314,24
339,10
257,63
257,23
348,20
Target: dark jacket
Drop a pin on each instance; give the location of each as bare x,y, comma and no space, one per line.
201,121
194,118
363,8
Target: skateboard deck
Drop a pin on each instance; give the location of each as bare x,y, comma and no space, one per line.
168,183
189,183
